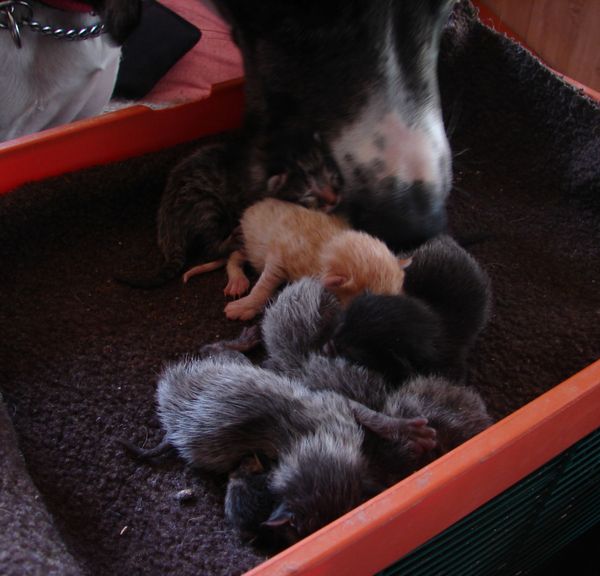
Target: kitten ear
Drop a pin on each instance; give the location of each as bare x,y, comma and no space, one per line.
404,262
334,281
276,182
262,462
279,517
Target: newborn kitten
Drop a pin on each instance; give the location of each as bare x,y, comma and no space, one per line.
198,211
457,413
298,322
217,410
318,479
309,177
285,242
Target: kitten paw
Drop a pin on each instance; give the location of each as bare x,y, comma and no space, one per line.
240,310
421,437
236,287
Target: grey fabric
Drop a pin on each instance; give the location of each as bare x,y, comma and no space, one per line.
29,540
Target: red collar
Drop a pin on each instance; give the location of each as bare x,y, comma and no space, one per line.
69,5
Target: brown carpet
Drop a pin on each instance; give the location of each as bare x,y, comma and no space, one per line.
79,353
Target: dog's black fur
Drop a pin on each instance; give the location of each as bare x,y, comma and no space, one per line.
349,70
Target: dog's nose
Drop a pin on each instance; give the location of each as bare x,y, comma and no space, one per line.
402,215
417,214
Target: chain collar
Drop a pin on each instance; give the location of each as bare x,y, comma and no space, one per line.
17,14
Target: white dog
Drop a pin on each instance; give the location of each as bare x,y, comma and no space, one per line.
50,81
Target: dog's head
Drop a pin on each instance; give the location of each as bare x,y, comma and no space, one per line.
362,73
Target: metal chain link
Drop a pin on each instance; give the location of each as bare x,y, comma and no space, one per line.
67,34
15,14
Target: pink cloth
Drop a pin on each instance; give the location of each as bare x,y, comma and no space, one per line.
215,58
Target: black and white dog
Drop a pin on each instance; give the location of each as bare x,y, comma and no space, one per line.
46,80
362,74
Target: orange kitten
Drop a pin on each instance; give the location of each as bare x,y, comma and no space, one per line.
285,242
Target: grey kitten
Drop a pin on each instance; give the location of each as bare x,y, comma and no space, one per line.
297,323
216,411
455,412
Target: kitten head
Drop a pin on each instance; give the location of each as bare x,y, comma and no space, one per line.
317,480
248,500
394,335
355,262
310,177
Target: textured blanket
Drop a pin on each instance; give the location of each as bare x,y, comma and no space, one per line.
79,353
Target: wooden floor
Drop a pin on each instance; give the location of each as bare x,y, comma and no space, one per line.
564,33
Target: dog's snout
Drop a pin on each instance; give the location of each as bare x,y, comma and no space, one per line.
397,176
